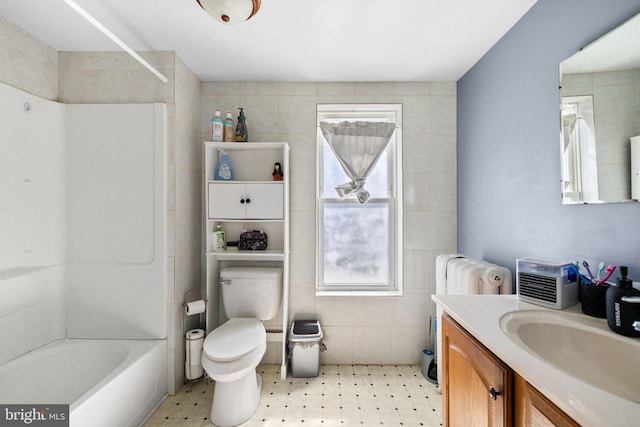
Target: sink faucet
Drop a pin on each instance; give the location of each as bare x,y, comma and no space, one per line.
636,300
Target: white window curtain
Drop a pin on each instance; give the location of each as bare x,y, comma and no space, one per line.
358,146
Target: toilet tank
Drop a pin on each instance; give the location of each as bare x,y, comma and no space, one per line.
251,291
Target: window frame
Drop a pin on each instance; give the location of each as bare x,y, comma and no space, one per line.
380,112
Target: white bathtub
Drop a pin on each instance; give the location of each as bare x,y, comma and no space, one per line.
108,383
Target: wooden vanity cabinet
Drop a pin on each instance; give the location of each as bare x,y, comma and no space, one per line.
476,385
532,408
479,389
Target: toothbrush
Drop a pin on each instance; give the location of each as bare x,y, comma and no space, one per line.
586,265
600,270
577,270
609,272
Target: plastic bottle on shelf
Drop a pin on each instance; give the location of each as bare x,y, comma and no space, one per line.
242,134
224,171
217,127
218,239
229,129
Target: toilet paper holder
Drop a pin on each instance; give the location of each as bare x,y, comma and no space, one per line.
193,300
197,306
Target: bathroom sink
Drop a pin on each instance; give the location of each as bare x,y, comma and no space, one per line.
580,346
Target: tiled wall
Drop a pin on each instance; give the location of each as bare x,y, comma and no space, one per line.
113,77
27,63
616,99
187,214
360,329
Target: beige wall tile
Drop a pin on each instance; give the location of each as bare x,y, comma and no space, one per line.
412,88
417,192
443,193
297,114
374,89
371,344
416,269
302,271
334,311
417,230
296,88
340,345
443,230
302,154
443,88
326,89
26,62
407,343
372,311
261,112
259,88
443,114
416,153
301,198
347,321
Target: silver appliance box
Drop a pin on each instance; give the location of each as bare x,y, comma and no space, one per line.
547,283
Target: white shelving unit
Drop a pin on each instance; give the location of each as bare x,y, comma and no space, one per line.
252,201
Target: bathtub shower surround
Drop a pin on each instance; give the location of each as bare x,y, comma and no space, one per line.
33,224
83,253
117,225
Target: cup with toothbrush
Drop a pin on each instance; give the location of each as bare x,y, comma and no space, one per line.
593,288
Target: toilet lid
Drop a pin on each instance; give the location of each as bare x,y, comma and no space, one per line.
234,339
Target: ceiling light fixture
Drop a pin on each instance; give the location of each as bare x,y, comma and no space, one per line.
75,6
230,11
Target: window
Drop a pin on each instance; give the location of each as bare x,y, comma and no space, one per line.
359,245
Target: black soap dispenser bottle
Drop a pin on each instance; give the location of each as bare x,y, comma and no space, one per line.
623,306
242,133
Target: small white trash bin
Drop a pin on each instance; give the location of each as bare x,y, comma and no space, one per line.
305,345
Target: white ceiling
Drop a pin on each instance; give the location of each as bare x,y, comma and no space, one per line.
289,40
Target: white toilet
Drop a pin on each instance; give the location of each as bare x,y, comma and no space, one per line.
232,351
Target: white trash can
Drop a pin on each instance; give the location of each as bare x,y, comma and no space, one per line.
305,345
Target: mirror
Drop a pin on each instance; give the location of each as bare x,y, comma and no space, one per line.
600,116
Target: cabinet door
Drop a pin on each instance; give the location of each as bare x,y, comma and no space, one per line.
265,201
477,386
246,200
226,200
534,409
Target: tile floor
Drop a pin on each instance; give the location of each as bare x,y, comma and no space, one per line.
342,395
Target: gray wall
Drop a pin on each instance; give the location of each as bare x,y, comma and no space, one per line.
508,147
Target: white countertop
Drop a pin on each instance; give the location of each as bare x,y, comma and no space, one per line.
586,404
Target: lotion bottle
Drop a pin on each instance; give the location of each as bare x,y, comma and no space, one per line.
218,239
229,131
623,306
217,127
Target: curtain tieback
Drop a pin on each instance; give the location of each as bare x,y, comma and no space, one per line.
353,188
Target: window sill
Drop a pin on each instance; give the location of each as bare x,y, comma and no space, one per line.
355,293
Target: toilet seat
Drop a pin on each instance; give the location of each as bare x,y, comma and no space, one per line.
234,339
